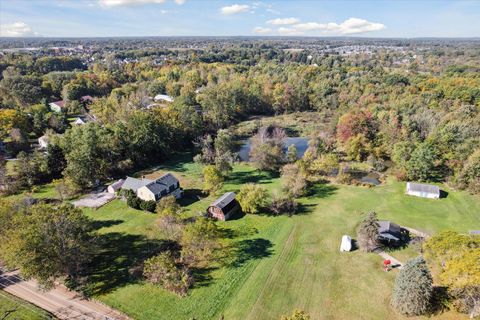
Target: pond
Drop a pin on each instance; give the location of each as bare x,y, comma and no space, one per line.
299,142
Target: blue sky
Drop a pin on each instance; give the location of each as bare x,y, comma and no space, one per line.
378,18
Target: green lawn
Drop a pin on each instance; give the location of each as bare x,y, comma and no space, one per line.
281,263
21,309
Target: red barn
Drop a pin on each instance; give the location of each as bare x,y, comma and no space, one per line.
224,207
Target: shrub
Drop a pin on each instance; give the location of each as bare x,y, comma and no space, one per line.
148,205
283,204
367,233
252,197
133,201
163,270
297,315
168,206
413,289
293,180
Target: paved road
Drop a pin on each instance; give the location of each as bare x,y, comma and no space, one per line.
59,301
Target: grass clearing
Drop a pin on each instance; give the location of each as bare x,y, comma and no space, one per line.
22,309
282,263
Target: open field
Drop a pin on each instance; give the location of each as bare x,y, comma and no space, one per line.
280,263
23,310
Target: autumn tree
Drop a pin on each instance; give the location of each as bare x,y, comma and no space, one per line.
199,241
163,270
49,243
252,198
293,180
267,148
212,179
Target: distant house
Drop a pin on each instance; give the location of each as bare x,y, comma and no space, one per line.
57,106
147,189
389,231
423,190
114,187
79,122
224,207
163,97
86,99
43,141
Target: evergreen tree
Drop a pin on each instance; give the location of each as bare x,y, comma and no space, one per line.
367,233
413,288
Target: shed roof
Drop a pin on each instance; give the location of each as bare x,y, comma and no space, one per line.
117,184
224,200
163,97
420,187
388,227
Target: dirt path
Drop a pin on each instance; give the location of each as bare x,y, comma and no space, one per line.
59,301
416,232
397,263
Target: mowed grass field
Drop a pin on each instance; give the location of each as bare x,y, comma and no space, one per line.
279,263
20,309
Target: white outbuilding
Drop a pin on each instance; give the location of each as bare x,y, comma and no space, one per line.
423,190
114,187
346,244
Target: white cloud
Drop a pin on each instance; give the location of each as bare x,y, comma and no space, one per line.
349,26
354,26
123,3
234,9
262,30
283,21
17,29
289,31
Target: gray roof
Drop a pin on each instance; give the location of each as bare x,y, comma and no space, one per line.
388,227
167,179
224,200
134,184
156,188
420,187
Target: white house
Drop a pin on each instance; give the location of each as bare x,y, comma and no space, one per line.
154,190
163,97
43,141
57,106
79,122
423,190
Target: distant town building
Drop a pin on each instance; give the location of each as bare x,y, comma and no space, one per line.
423,190
163,97
43,141
224,207
57,106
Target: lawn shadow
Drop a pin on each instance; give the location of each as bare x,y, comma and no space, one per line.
322,190
239,214
175,163
99,224
251,249
304,209
260,177
202,276
119,254
190,196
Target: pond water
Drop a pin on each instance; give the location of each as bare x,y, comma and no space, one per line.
371,178
299,142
